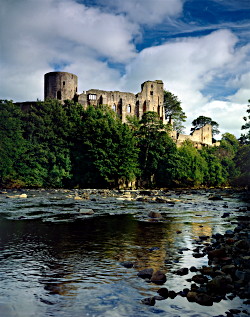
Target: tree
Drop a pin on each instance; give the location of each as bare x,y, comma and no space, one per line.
215,175
245,138
242,161
12,143
174,111
192,167
107,153
155,145
46,161
201,121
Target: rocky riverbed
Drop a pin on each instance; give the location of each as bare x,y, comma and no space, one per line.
124,253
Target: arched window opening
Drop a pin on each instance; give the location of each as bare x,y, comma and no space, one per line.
59,95
92,97
129,109
114,107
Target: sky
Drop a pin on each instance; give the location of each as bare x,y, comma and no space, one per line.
199,48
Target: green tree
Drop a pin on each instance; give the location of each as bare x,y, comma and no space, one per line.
245,138
201,121
47,158
12,143
174,111
108,153
192,167
214,176
226,153
155,145
242,161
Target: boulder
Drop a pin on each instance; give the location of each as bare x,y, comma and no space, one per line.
217,253
23,196
86,211
148,301
182,271
163,292
200,279
219,284
146,273
127,264
158,277
191,296
154,214
204,299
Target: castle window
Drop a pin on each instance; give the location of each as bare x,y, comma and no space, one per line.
151,93
63,83
59,95
114,107
92,97
128,109
76,89
152,86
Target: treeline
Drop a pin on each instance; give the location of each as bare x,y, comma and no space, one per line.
55,145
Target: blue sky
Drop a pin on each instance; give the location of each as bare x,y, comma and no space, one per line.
199,48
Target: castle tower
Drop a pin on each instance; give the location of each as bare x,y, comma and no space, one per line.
60,85
152,95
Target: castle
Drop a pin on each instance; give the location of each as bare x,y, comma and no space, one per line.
64,86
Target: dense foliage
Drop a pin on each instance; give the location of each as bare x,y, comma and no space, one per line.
63,145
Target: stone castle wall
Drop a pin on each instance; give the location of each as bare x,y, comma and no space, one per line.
63,86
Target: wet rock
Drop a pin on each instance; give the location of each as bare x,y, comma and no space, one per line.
172,294
204,299
234,311
229,233
182,271
225,215
146,273
178,231
207,270
86,211
228,269
163,292
191,296
154,214
215,197
23,196
218,253
158,277
127,264
219,284
193,269
148,301
199,279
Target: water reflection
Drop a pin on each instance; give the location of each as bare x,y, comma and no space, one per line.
72,268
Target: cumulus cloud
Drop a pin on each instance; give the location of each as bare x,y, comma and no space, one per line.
188,65
146,11
38,38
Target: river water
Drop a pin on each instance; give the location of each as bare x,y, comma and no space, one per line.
57,261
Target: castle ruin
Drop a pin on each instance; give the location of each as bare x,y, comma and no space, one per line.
64,86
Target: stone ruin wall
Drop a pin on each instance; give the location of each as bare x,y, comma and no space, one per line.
63,86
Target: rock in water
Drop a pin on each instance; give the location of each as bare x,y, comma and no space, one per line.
147,273
158,277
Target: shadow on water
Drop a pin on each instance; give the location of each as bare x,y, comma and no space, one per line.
72,268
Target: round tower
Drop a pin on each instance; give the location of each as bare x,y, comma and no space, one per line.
60,85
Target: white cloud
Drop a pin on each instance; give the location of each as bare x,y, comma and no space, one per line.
146,11
37,35
187,66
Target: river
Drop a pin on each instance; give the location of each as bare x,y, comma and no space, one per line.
56,260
